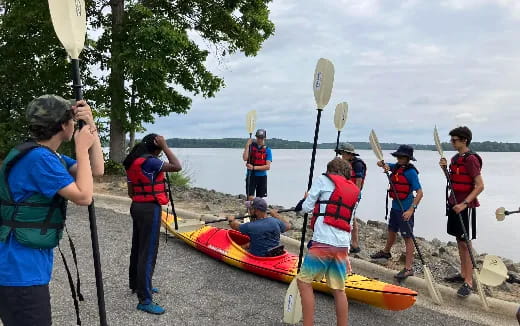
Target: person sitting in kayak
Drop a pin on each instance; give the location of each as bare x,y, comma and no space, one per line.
264,231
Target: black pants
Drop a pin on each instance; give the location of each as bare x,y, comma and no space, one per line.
25,305
145,242
256,183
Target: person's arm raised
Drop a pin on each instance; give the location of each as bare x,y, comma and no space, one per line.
173,165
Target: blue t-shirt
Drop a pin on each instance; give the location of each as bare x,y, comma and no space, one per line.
40,171
359,169
264,234
413,178
268,157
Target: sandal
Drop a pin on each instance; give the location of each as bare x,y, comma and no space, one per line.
403,274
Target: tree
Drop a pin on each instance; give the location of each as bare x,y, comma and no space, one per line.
147,49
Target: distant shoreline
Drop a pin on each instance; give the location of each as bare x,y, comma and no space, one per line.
276,143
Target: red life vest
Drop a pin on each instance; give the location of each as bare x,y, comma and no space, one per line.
460,179
145,191
401,183
338,211
353,177
257,156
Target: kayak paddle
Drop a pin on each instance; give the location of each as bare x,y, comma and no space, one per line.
428,277
501,213
250,127
170,197
322,86
70,24
476,276
493,271
340,118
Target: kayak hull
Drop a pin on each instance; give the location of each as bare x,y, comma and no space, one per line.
225,245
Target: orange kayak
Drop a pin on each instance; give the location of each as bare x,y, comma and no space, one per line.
225,245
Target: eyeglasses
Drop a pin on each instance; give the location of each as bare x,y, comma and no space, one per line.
454,140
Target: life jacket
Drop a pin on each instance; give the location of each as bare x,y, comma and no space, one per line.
401,184
460,179
338,211
257,156
144,190
353,177
38,221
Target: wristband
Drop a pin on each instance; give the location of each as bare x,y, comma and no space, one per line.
465,202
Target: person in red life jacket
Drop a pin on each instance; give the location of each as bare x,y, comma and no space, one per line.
147,188
264,230
464,173
258,158
405,178
331,198
35,184
357,176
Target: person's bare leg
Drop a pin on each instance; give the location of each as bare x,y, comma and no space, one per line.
409,252
518,315
355,234
466,267
340,298
307,296
390,240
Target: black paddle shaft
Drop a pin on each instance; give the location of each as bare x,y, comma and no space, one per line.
313,158
337,141
461,220
78,95
171,201
407,222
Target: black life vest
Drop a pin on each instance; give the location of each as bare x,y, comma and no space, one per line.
353,177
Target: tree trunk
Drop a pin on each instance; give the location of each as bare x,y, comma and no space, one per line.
117,85
132,126
131,144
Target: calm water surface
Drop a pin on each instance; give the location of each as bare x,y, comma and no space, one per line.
223,170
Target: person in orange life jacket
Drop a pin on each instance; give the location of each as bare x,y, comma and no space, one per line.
264,231
42,174
258,158
331,198
358,174
467,182
147,188
406,180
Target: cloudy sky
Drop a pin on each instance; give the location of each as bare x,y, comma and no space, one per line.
403,66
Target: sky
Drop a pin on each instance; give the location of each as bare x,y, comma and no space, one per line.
402,66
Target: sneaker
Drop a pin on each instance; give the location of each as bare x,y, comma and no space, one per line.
456,278
381,255
464,291
151,308
403,274
355,250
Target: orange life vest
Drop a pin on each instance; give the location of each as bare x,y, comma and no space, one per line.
257,156
401,183
460,179
144,190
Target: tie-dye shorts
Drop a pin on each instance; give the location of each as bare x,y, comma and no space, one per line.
325,261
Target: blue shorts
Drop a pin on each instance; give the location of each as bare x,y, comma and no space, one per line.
397,224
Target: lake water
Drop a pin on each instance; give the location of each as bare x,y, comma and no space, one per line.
223,170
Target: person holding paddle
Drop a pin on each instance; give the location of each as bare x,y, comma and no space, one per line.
258,158
405,179
147,188
358,174
331,198
467,183
35,184
264,231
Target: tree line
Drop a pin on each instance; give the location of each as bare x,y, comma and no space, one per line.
276,143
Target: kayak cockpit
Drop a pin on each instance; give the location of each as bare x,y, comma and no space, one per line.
239,240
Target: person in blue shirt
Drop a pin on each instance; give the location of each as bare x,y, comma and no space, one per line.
258,158
264,231
42,175
405,179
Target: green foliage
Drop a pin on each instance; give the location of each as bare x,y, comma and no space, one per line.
179,179
114,168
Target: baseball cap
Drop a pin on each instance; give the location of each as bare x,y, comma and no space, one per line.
47,110
257,203
347,148
260,133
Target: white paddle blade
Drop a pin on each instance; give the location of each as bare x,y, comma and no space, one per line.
323,81
374,144
251,121
340,115
434,293
292,306
493,272
500,214
437,142
480,289
70,23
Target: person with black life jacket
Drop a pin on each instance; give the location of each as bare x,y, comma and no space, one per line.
258,158
264,229
358,174
331,200
467,182
148,190
35,184
405,178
